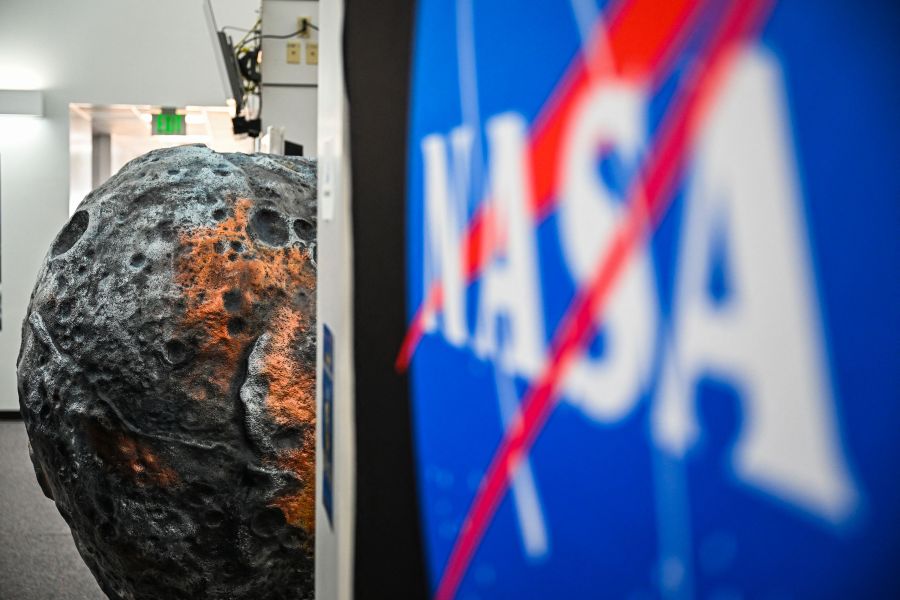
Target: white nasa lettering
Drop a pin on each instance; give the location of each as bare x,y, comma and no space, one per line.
766,337
612,117
510,288
445,214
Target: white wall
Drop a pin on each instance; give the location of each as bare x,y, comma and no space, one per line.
93,51
289,96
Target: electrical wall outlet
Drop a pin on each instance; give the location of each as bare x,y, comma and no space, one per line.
303,26
293,53
312,53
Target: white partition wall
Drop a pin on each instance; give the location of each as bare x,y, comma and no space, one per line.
334,526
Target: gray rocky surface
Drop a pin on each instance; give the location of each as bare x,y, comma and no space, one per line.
167,377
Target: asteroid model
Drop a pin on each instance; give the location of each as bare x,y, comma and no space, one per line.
167,377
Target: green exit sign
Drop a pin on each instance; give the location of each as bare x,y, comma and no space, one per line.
168,123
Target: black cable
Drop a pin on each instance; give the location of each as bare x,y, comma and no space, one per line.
248,64
282,37
276,37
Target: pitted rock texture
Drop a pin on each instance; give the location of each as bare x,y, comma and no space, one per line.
167,377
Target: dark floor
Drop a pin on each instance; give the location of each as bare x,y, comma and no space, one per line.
38,559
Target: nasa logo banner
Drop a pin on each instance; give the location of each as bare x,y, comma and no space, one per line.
652,266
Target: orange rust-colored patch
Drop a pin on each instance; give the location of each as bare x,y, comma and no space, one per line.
292,385
132,458
221,259
291,401
299,508
224,259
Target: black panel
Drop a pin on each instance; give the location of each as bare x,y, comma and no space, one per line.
388,555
